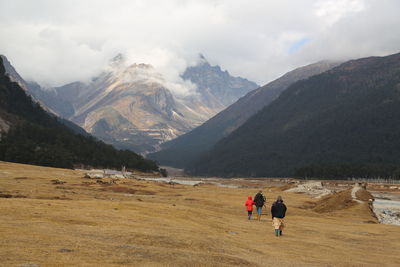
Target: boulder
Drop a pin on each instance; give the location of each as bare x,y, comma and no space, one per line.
117,176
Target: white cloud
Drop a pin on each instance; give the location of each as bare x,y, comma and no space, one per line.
332,11
54,42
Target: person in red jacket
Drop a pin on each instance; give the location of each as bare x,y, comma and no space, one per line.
249,206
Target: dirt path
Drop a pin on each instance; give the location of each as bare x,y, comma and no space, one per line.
353,194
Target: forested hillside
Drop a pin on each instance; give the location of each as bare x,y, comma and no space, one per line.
344,122
35,137
184,150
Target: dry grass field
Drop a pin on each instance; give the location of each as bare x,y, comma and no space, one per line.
144,223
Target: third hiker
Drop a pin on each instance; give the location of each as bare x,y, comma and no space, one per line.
278,211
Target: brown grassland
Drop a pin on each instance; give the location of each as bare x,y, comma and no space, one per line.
144,223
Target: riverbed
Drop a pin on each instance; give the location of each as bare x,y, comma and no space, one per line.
387,208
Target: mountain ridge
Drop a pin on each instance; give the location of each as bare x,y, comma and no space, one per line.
136,96
29,134
349,114
186,148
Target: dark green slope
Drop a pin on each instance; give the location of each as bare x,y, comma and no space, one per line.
35,137
349,116
187,148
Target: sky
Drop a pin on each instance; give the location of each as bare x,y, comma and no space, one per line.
54,42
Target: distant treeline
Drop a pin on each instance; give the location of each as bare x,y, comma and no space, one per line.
349,171
36,137
57,147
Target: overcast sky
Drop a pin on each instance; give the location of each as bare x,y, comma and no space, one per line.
55,41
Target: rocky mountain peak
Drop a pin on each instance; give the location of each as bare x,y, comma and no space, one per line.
13,74
142,66
216,87
202,60
118,60
138,73
132,106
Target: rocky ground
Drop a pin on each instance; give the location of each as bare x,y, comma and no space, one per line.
56,217
386,206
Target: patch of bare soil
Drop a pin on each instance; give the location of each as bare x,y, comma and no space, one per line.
286,187
337,201
231,261
308,205
76,222
86,183
127,190
54,198
21,178
6,195
364,195
133,184
63,187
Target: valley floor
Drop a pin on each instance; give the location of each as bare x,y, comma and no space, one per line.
146,223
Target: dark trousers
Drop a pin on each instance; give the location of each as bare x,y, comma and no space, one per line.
249,213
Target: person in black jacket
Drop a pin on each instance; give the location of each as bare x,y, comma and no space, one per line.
260,200
278,211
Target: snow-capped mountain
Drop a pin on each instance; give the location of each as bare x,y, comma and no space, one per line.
131,105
